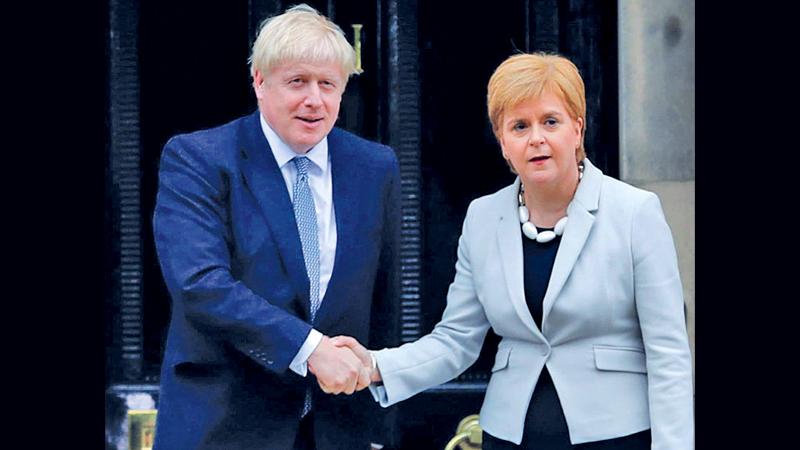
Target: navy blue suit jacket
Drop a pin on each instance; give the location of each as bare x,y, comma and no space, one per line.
231,256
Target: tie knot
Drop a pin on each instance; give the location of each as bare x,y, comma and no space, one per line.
301,162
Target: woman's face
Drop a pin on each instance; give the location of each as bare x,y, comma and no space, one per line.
540,140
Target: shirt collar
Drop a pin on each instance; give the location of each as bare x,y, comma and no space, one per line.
318,154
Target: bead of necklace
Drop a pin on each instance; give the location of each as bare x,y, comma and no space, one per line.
529,229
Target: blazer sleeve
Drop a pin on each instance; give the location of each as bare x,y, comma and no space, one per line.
447,351
659,304
192,240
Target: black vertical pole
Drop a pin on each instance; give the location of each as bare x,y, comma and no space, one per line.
125,159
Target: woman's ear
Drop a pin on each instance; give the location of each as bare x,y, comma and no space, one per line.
502,143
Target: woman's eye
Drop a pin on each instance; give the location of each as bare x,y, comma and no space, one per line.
551,122
519,126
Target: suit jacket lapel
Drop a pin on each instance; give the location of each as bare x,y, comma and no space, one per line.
344,177
509,241
264,179
581,218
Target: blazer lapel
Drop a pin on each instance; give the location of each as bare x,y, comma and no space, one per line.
264,179
509,241
344,177
581,218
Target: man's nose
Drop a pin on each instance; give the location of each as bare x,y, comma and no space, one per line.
313,98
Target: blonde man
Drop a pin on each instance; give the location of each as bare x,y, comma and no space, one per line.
275,231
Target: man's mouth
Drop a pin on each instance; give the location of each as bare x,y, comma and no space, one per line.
310,119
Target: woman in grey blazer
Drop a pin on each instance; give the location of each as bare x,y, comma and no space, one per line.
576,272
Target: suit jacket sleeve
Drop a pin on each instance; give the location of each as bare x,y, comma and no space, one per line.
659,304
192,239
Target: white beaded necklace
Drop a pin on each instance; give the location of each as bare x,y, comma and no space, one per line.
529,229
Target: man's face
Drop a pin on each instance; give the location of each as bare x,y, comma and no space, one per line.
300,101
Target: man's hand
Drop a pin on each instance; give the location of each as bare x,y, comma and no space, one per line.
337,368
363,355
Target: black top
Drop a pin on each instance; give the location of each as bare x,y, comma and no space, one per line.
538,261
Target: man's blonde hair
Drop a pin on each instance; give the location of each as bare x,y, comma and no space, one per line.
301,34
528,75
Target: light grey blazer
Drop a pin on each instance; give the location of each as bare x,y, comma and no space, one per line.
613,331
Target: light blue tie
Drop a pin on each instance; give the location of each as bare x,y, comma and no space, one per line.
306,217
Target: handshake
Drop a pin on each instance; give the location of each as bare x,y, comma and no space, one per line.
342,365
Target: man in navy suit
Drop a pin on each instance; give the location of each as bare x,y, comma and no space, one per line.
273,232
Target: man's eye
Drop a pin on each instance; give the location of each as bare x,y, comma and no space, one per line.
295,81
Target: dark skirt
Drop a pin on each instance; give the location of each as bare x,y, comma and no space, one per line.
546,427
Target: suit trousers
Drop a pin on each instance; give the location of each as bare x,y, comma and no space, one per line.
305,434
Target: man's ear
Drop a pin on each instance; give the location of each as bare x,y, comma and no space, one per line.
258,83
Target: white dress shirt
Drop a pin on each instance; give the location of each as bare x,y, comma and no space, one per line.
321,185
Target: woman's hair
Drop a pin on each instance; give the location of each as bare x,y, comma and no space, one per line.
529,75
301,34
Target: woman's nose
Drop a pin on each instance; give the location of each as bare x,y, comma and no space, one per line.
536,138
